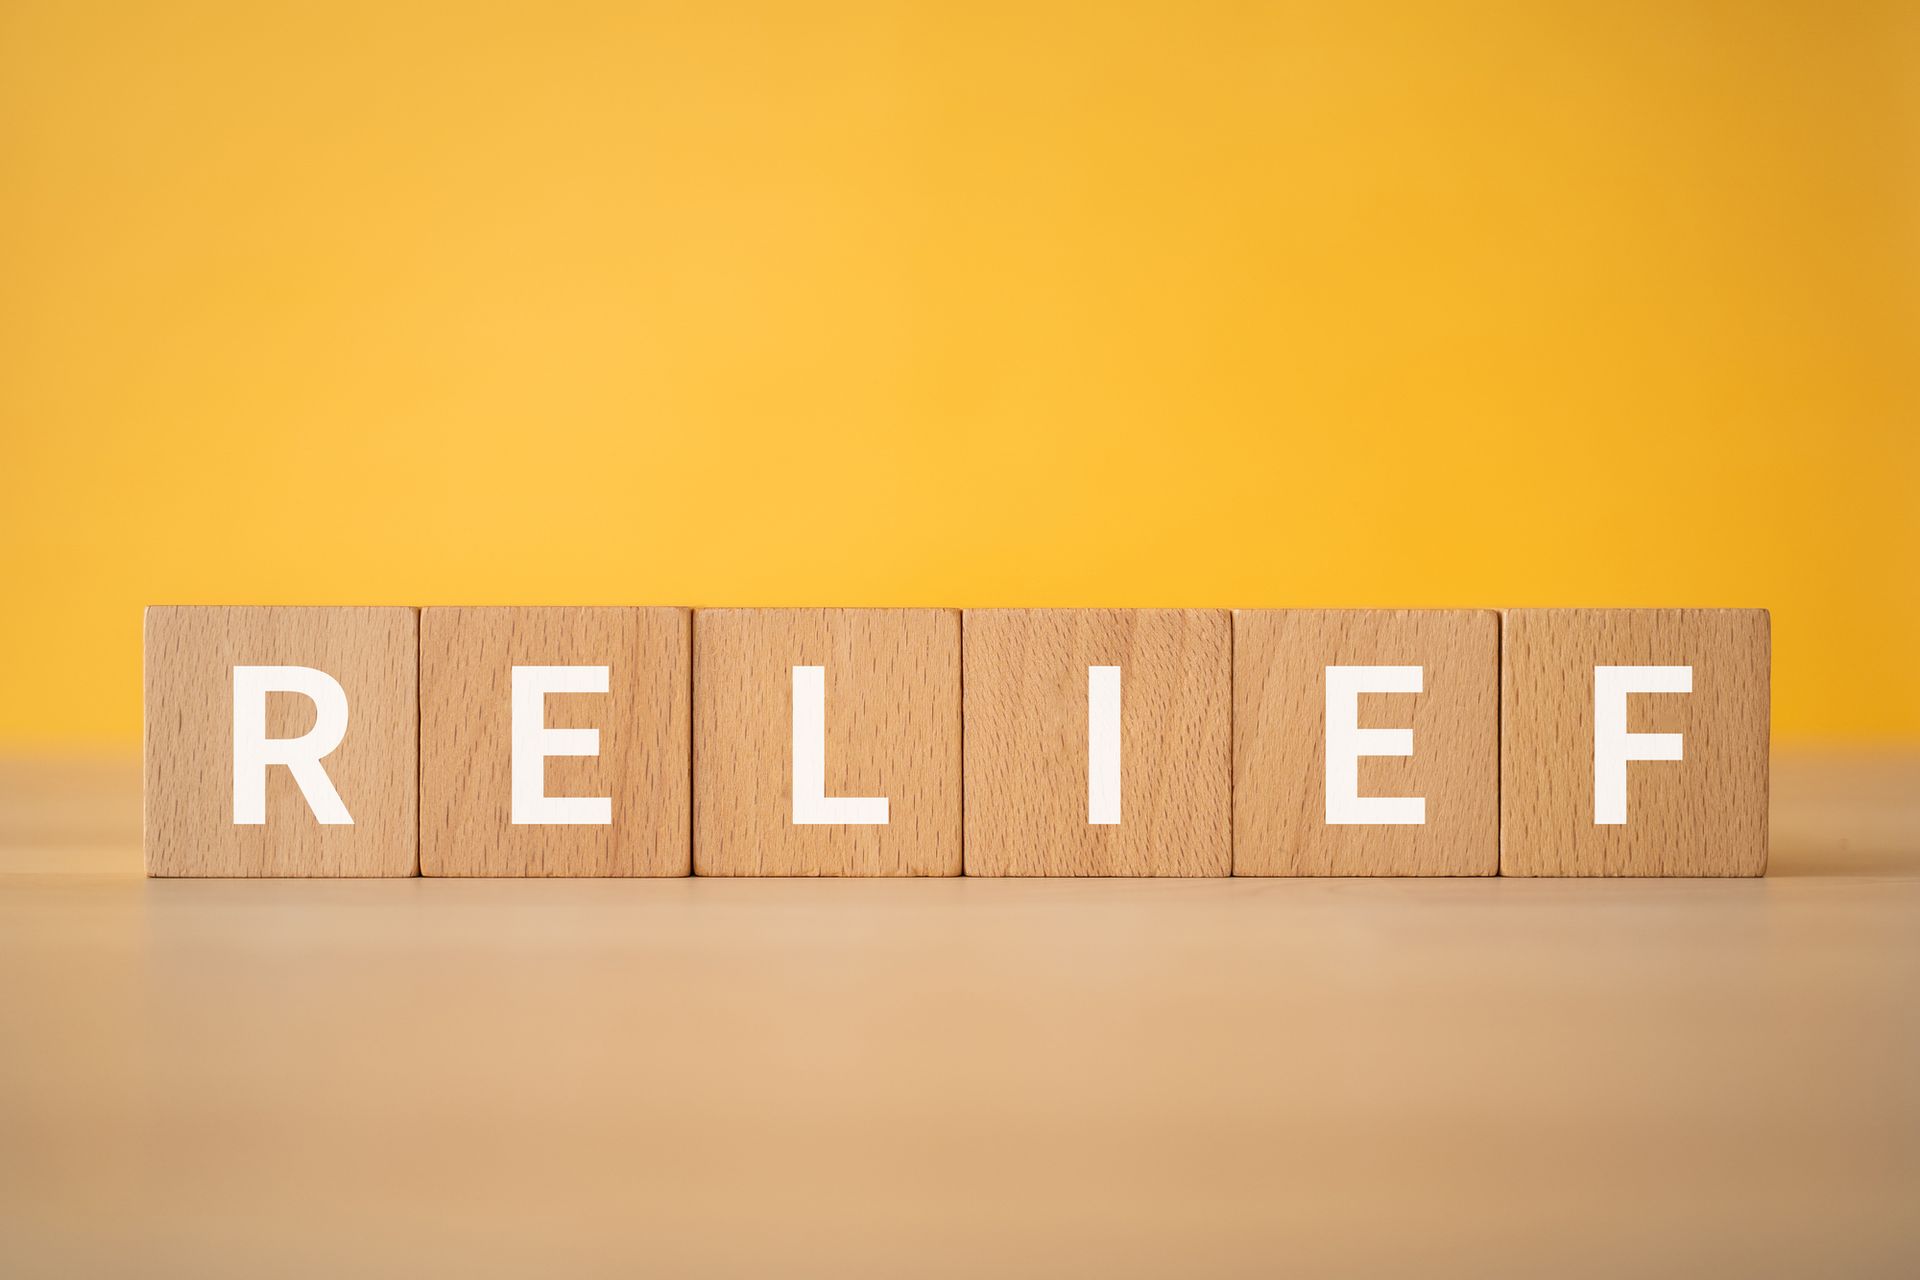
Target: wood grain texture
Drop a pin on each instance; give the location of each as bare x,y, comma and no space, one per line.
190,656
1280,657
892,729
1702,815
467,656
1026,742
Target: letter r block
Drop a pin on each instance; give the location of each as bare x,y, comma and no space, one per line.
635,735
370,654
1060,782
1654,766
837,718
1282,758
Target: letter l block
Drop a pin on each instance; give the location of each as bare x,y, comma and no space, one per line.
826,742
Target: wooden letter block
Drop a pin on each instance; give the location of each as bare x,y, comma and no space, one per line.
555,741
1099,742
281,742
826,742
1633,742
1322,706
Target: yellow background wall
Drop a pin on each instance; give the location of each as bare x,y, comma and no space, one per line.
965,303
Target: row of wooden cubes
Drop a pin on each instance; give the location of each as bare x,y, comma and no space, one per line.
975,727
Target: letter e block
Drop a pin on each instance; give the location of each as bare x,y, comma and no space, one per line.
826,742
281,741
1326,780
555,741
1633,742
1099,742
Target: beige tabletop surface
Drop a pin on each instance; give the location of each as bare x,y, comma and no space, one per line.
962,1077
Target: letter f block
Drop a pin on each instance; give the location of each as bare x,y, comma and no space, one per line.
1633,742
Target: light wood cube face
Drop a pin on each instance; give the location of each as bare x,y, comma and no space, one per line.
1099,742
1316,792
1634,742
602,700
827,742
230,691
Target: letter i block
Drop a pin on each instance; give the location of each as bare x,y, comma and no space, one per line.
1099,742
1366,742
555,741
1633,742
281,742
826,742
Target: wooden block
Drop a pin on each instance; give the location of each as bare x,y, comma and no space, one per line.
1435,812
623,808
1585,791
879,689
221,707
1051,789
